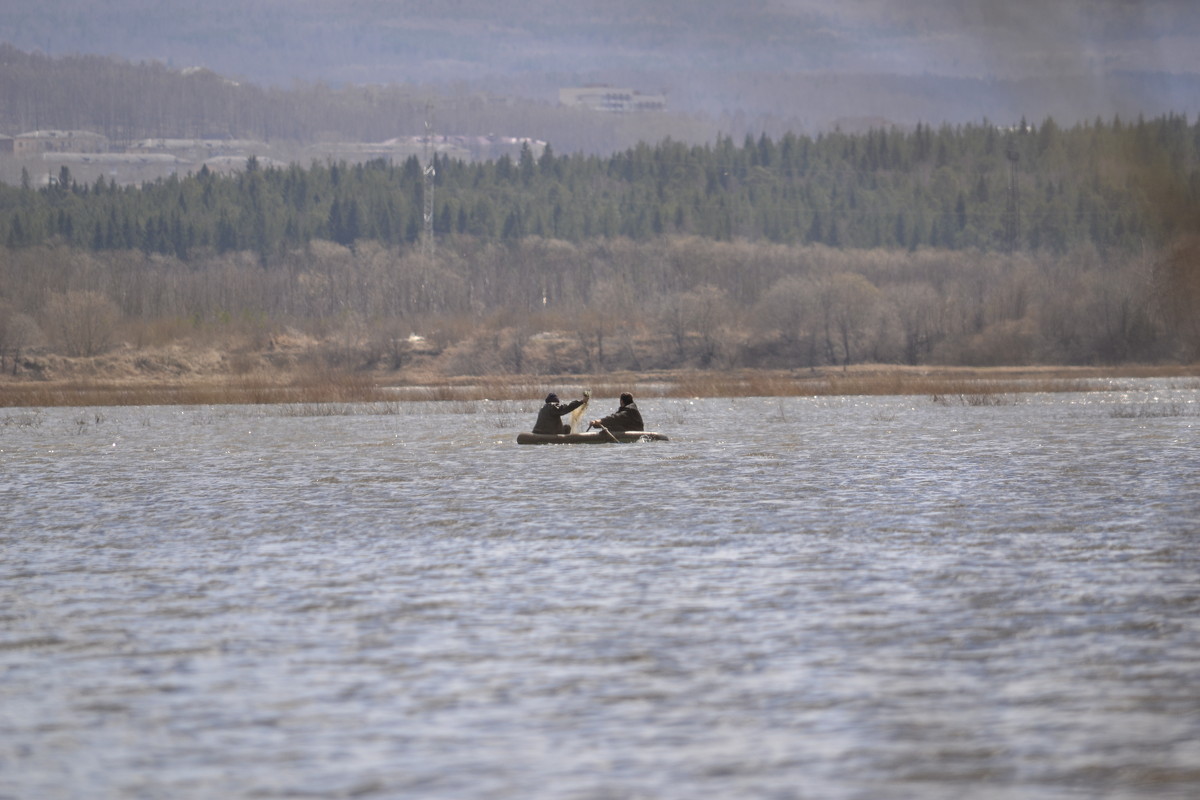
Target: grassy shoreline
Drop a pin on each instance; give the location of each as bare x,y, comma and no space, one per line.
327,387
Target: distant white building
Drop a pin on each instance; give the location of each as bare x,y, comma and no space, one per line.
112,159
34,142
611,99
197,148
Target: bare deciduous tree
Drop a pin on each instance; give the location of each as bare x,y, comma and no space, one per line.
81,323
18,332
609,308
622,304
789,310
1178,277
850,305
919,311
706,311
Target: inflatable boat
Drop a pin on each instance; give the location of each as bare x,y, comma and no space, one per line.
590,437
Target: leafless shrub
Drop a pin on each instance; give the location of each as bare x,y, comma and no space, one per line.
1177,277
988,399
81,323
18,332
974,399
1154,411
26,419
335,409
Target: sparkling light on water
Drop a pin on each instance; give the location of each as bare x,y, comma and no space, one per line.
836,598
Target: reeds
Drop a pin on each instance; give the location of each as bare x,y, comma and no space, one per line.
974,399
1155,411
342,409
23,419
972,387
319,392
248,390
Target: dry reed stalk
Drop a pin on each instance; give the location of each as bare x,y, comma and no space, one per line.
340,387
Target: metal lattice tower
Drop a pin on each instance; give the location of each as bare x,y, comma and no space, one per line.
427,191
1012,222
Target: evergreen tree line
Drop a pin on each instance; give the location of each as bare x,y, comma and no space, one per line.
975,187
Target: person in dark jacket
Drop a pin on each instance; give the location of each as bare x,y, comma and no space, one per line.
625,418
549,419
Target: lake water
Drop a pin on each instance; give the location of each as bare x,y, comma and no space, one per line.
793,598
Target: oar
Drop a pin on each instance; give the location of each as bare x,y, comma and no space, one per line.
607,433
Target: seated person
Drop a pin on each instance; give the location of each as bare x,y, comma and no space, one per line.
549,419
625,418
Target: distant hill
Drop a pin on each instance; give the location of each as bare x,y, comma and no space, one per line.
129,102
747,66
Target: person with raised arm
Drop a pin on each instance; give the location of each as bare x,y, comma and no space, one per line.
549,418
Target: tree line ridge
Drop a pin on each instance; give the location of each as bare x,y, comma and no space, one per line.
970,244
973,187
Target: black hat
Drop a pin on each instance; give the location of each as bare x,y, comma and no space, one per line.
552,398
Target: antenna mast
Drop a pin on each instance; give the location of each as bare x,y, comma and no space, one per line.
429,174
1013,217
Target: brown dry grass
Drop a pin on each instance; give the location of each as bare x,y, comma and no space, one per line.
898,380
308,386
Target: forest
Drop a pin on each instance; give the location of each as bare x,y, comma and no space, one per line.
1117,186
966,244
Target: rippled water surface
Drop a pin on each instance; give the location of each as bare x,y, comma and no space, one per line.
797,598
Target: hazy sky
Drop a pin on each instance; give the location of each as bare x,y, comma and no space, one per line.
996,38
976,38
532,46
